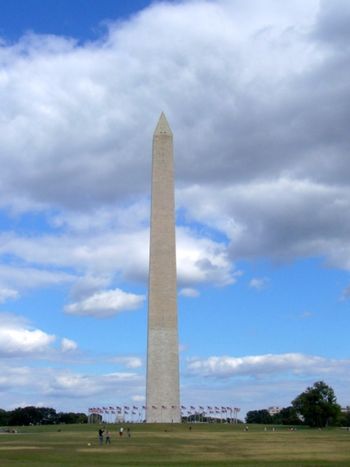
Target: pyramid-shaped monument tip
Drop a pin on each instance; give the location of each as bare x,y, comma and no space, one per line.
162,127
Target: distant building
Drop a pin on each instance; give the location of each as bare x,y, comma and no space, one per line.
119,418
345,409
274,410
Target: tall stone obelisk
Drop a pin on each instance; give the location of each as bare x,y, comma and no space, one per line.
163,393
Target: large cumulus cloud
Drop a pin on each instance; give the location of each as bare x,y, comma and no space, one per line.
256,95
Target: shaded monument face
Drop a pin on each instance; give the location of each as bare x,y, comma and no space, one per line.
163,399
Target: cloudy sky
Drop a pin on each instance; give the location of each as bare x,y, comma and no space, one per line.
257,94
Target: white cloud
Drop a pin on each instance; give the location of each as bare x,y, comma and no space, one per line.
138,398
264,365
57,384
6,294
202,260
17,338
106,303
189,292
23,277
128,361
258,283
277,193
100,255
68,345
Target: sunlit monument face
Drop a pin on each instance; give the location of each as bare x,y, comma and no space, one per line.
163,400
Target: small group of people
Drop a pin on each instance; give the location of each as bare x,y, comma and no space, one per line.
102,433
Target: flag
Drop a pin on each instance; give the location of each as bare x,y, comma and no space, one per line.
163,407
183,407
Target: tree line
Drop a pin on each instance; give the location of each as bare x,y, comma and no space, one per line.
315,407
39,416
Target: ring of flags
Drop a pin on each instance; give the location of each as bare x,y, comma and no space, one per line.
130,411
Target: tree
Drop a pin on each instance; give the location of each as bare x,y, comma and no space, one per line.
287,416
4,417
317,405
258,416
71,417
344,419
32,416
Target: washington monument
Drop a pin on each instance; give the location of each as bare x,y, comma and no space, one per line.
163,394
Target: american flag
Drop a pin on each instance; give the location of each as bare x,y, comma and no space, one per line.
183,407
154,406
163,407
173,406
134,407
144,407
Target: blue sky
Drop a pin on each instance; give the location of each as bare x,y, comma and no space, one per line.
256,94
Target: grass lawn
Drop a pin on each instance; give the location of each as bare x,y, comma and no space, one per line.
159,445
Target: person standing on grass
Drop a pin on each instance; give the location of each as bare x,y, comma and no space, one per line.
121,431
100,436
108,437
129,432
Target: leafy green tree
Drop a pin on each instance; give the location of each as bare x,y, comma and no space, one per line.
344,419
4,417
71,417
32,416
287,416
317,405
258,416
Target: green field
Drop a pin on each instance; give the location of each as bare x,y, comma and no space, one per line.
158,445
